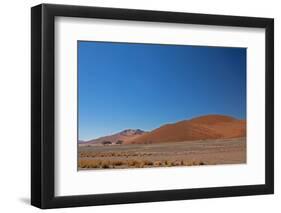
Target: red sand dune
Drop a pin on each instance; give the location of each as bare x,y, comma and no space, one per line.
200,128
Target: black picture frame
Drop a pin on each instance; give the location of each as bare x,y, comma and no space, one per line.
43,111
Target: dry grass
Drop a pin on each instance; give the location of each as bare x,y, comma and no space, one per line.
105,164
174,154
112,154
89,163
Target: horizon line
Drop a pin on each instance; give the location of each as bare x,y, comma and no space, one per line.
173,122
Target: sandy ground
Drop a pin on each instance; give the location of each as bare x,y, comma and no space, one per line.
189,153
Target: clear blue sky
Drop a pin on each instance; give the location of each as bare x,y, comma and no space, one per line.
144,86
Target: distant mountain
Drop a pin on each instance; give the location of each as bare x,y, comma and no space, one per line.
120,137
200,128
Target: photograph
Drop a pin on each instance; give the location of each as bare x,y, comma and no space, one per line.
160,105
138,105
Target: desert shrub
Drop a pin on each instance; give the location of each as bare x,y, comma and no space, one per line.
95,164
187,163
202,163
105,164
117,163
119,142
148,163
198,163
106,142
89,164
107,154
82,164
138,164
174,163
132,162
194,163
141,164
165,162
157,163
169,163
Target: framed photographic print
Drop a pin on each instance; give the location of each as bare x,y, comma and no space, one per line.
139,106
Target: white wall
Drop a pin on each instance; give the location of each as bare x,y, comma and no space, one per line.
15,105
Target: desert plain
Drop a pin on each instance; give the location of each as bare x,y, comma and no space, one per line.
204,140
